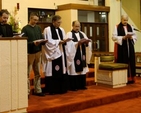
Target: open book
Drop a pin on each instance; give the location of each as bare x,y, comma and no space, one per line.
86,40
130,33
68,39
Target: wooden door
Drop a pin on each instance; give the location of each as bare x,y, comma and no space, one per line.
43,25
0,4
98,32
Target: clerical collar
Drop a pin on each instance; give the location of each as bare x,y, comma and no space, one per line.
2,24
55,27
75,31
123,24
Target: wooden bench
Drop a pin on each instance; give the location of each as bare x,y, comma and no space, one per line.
137,59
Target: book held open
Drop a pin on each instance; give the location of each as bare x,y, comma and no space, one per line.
130,33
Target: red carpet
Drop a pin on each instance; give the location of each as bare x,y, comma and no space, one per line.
126,106
92,98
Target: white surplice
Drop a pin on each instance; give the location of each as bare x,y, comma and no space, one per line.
53,50
74,45
118,39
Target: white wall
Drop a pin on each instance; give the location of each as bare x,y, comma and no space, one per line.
138,43
25,4
114,19
67,19
116,11
132,9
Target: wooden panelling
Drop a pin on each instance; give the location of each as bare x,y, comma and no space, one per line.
13,75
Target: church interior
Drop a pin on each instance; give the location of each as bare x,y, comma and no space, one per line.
107,89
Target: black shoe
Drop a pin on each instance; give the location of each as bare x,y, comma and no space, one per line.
130,82
84,88
51,93
73,89
39,94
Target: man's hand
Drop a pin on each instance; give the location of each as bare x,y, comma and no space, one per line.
41,41
17,36
36,43
87,41
80,42
62,42
127,37
84,41
68,39
65,40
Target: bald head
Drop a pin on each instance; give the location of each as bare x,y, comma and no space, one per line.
124,19
75,22
76,25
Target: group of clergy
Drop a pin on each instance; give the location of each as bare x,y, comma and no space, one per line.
65,57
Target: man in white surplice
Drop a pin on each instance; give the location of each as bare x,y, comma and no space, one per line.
125,38
54,58
78,68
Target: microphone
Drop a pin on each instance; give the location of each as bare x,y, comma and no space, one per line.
137,30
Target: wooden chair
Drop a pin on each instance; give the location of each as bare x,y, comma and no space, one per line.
108,73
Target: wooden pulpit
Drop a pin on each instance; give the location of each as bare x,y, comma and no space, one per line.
13,75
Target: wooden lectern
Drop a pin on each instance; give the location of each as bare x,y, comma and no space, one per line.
13,75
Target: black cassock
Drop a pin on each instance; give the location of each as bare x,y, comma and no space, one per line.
125,53
58,82
6,30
